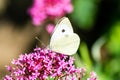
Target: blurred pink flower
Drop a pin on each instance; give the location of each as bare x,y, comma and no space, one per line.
43,9
93,76
50,28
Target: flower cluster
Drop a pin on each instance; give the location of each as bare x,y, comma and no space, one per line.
43,9
93,76
43,64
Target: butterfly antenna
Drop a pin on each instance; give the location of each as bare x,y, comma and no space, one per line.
40,41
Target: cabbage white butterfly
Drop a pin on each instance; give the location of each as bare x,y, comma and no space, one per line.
63,39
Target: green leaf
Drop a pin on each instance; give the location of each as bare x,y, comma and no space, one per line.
84,13
83,50
78,63
114,39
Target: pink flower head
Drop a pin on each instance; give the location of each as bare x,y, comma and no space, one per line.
40,64
58,7
50,28
93,76
43,9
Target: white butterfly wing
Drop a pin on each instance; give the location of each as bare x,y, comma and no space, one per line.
63,21
66,44
63,39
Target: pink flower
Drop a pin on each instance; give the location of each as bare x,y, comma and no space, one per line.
38,16
50,28
40,64
8,77
58,7
43,9
93,76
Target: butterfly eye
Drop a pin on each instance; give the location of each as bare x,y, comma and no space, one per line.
63,30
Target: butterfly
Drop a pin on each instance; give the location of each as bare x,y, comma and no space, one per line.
63,39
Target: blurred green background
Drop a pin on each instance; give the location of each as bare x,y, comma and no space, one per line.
97,22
